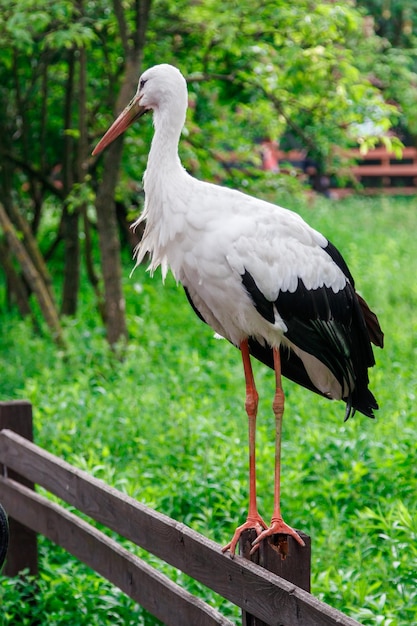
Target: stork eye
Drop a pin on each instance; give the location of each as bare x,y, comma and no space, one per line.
142,83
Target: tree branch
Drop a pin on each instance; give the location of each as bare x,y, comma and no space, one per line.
120,16
36,174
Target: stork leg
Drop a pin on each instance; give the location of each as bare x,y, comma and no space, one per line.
277,523
254,520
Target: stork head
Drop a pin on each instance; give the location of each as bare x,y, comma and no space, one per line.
160,88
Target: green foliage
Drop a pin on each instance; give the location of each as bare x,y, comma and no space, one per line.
263,71
57,598
278,69
300,73
393,63
166,424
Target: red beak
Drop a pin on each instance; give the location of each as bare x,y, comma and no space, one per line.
131,113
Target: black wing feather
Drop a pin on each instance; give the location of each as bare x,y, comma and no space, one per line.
329,325
264,306
335,327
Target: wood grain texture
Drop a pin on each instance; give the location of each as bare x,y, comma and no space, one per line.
282,555
263,594
279,554
22,552
148,587
4,535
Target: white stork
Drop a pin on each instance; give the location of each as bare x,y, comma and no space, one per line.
256,273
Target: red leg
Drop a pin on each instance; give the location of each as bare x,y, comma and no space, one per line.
277,523
253,520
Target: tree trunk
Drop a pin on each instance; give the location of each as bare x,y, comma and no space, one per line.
32,276
114,305
17,290
31,245
89,265
83,156
70,214
105,205
18,228
72,263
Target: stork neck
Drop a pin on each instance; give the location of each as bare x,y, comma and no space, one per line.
163,155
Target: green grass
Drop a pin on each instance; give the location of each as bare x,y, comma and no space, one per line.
167,426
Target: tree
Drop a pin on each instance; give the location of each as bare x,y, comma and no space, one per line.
60,38
274,70
394,62
132,37
39,72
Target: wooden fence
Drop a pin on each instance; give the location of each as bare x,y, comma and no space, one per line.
377,171
380,170
264,596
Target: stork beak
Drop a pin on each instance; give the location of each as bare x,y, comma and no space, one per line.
131,113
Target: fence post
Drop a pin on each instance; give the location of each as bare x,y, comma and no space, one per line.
23,548
281,555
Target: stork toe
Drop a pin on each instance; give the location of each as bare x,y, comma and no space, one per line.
278,526
255,522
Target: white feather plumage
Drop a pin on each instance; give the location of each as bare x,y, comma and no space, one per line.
257,273
209,235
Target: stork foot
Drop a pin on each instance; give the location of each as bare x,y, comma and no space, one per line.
255,522
278,526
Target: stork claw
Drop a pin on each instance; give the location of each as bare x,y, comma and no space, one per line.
255,522
278,526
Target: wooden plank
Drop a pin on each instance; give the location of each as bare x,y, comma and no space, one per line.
374,191
22,553
282,555
389,191
379,153
385,170
154,591
17,416
291,155
263,594
4,535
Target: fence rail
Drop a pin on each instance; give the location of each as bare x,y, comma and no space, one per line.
378,169
264,595
385,171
